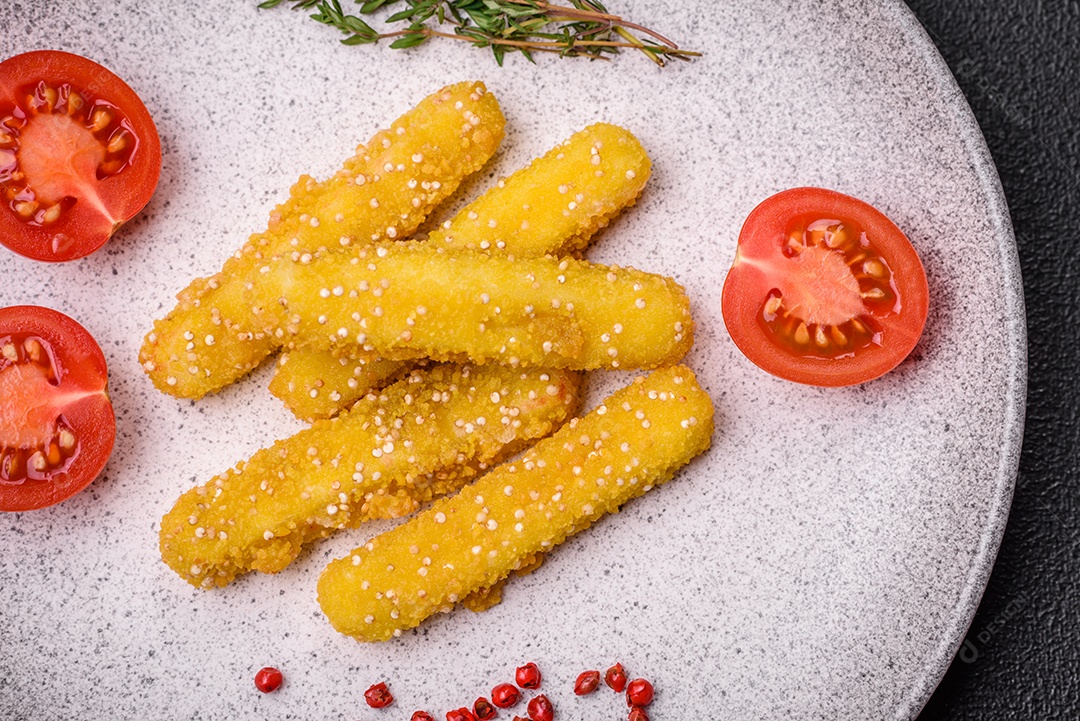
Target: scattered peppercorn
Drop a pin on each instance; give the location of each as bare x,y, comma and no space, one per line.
483,709
378,696
528,676
615,678
505,695
587,682
462,714
268,679
540,709
639,693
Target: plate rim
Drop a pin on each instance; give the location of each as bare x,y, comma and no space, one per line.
915,697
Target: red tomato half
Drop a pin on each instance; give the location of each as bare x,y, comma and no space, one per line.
825,290
79,155
56,422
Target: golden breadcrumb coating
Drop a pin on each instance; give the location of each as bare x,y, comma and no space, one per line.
420,438
414,300
637,439
315,384
554,205
384,191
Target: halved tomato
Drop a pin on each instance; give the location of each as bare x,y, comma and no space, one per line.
56,421
79,155
825,290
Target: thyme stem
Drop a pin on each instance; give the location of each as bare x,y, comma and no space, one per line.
614,20
581,28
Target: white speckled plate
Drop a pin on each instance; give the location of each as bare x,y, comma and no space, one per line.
823,560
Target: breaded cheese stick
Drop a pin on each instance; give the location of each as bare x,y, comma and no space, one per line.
413,300
554,205
637,439
422,437
316,384
386,190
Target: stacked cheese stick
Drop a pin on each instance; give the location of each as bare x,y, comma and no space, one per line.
484,326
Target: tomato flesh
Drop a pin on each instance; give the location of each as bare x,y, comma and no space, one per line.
79,155
824,290
56,422
832,290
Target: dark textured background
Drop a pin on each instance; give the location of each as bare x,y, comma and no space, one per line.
1018,63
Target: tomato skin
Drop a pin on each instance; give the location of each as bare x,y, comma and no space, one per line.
82,377
760,252
83,227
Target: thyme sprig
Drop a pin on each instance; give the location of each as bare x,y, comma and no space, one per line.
583,28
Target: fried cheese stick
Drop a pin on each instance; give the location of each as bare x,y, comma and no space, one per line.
385,190
422,437
412,300
554,205
637,439
315,384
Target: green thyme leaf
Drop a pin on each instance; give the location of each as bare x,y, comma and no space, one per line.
581,28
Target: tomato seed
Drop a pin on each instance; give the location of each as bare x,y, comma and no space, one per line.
505,695
874,294
639,693
378,696
117,142
49,95
837,236
802,335
110,166
819,337
99,119
587,682
34,349
615,678
528,676
12,469
67,440
268,679
75,103
540,709
873,268
51,214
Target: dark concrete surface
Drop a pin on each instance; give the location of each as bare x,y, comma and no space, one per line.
1018,63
